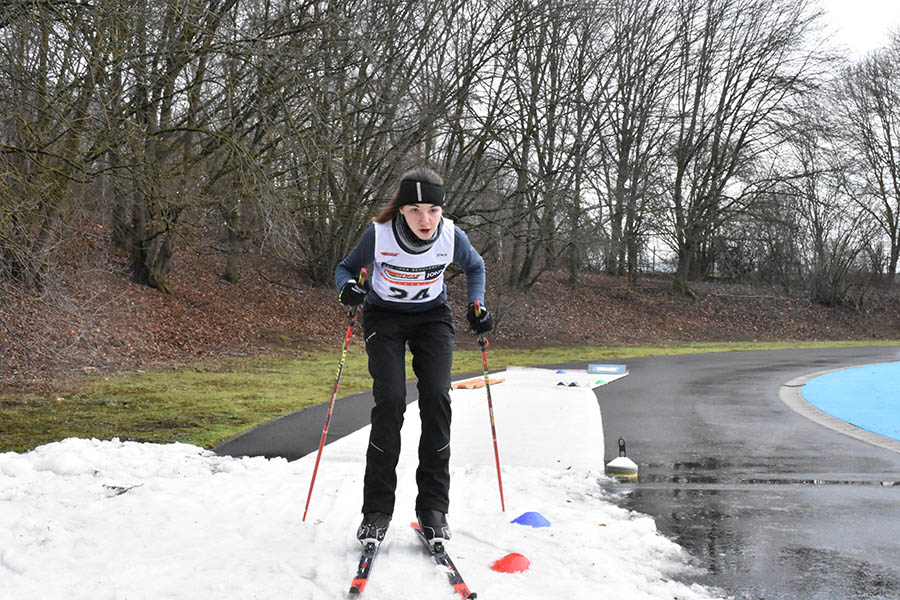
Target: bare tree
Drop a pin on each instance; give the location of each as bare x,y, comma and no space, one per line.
871,103
644,38
357,109
47,79
551,75
740,61
463,141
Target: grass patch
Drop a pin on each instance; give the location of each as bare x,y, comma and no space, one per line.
209,402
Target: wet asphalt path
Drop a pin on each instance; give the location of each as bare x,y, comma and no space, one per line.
770,504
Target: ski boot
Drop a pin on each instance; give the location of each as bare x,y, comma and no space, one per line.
373,528
433,524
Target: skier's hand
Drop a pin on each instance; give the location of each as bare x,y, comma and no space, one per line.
482,323
352,294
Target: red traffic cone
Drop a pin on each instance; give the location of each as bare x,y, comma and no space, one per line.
511,563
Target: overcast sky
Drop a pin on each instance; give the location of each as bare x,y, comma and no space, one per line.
862,25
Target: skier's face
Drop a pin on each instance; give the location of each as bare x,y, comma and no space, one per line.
422,218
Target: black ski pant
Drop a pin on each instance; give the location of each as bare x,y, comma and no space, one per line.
430,337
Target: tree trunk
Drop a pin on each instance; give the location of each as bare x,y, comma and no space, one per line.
680,282
232,272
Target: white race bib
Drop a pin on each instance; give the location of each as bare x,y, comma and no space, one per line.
403,277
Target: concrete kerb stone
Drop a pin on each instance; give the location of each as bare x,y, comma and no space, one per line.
791,394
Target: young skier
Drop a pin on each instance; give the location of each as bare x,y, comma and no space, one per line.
410,244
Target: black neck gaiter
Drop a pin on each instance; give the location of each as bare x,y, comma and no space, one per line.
407,238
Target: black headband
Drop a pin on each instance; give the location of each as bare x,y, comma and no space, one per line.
415,192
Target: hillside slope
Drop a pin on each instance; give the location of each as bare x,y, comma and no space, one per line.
92,318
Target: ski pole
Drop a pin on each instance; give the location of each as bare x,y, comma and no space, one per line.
482,341
351,321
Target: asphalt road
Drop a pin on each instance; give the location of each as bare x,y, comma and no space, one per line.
298,434
770,504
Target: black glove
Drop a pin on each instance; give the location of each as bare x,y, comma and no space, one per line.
482,323
352,294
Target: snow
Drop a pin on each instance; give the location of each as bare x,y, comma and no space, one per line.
122,520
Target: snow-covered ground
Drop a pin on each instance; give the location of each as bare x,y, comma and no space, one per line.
120,520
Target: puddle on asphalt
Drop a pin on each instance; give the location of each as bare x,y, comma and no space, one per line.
739,529
712,471
706,479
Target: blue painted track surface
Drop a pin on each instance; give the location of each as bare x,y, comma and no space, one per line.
868,397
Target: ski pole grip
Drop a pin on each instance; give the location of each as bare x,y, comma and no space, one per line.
351,315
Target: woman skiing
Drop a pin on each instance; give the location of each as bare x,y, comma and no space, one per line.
410,244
